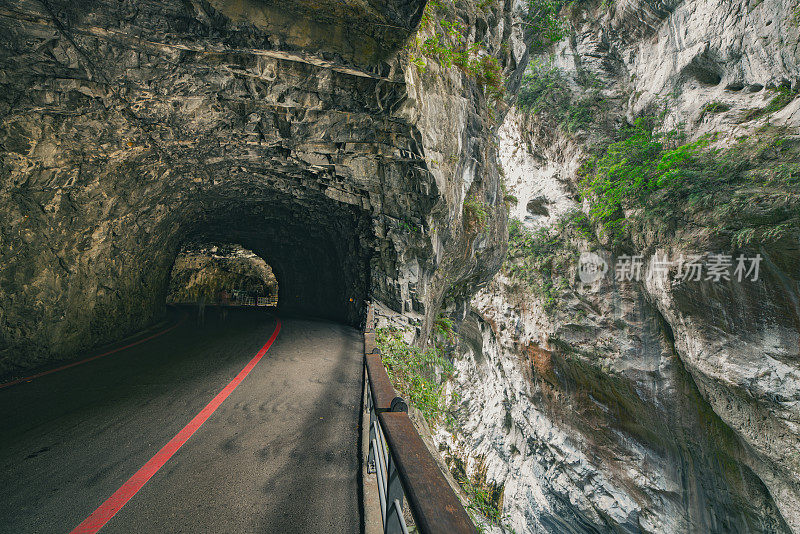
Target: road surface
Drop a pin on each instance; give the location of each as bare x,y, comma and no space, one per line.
279,455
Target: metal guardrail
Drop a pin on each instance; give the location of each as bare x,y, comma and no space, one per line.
404,467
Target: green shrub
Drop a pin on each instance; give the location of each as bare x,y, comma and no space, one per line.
542,17
450,45
419,62
545,90
587,78
716,107
475,214
578,116
508,198
748,192
781,100
417,374
444,327
627,170
450,48
541,259
485,499
784,97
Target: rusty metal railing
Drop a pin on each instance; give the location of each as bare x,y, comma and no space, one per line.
402,464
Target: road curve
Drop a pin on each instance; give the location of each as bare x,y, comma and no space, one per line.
279,455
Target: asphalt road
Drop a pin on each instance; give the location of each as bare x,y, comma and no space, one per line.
279,455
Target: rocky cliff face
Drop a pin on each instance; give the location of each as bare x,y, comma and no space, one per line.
299,130
667,404
357,157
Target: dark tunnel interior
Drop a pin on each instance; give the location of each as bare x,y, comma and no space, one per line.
315,247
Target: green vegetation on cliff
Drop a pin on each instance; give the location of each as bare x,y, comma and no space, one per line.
443,326
450,41
542,259
778,102
418,375
545,90
475,214
485,499
449,44
542,17
716,107
749,191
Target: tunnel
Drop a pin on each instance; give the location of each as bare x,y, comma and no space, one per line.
318,249
310,160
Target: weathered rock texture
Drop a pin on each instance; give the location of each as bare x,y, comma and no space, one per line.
302,131
660,406
296,129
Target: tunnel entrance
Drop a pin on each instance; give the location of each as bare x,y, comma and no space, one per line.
318,248
308,159
218,272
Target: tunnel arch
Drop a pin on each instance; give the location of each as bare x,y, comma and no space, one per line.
313,160
319,249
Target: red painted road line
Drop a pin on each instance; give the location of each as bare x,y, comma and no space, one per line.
113,504
73,364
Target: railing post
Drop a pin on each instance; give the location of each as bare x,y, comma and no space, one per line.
372,436
404,468
394,498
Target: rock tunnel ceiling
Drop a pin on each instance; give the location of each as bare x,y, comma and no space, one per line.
318,249
131,128
305,131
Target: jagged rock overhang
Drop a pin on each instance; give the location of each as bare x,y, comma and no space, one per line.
359,30
126,129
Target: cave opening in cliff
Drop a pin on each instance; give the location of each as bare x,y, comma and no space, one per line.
221,273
